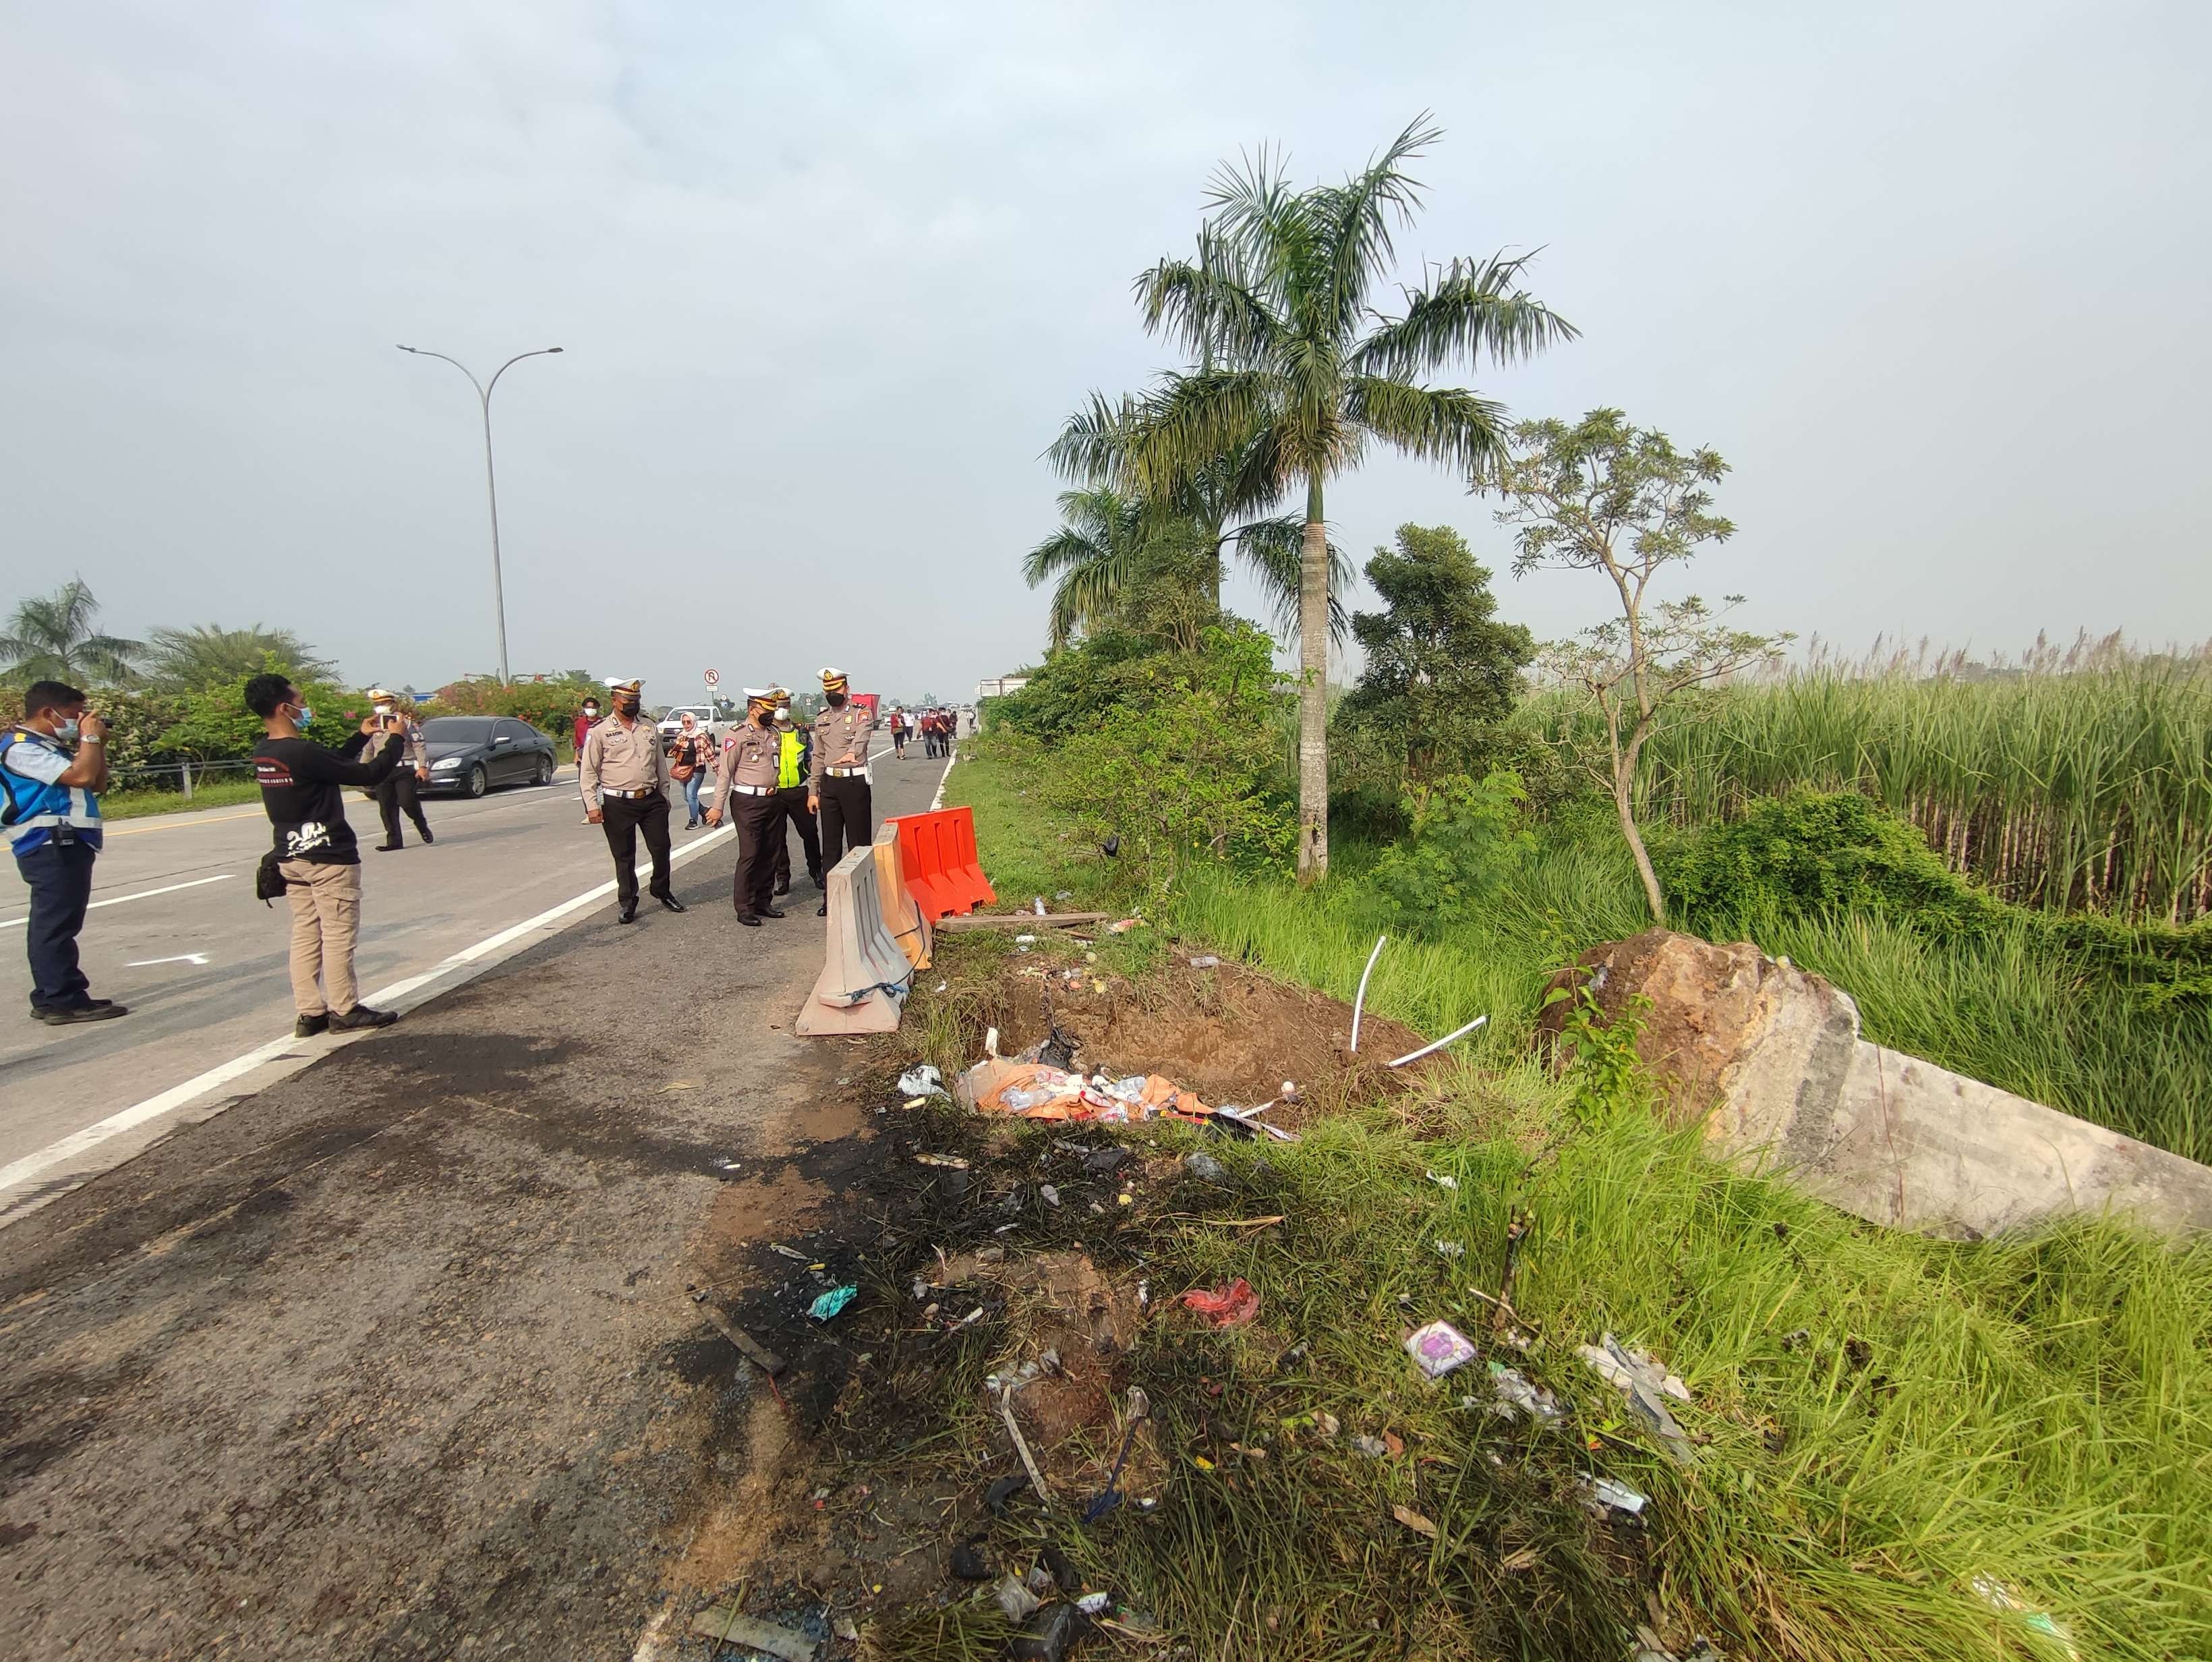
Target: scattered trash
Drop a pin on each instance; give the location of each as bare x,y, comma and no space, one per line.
1063,894
1645,1383
1413,1521
1015,1598
968,1563
1327,1423
1034,1090
1453,1037
1373,1448
1039,1581
1004,1489
1205,961
1449,1248
952,1162
1224,1306
1029,1460
1441,1182
725,1165
1047,1194
723,1623
1026,940
1359,998
940,987
1036,904
831,1302
1603,1494
1204,1168
847,1630
1110,847
1439,1347
1515,1391
922,1082
788,1251
1048,1636
1999,1596
1104,1162
1094,1604
1065,1576
990,1044
1124,925
761,1356
1058,1050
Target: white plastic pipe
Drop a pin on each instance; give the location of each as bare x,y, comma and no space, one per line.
1360,999
1415,1056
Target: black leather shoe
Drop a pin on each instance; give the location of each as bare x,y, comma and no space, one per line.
68,1015
389,847
750,922
784,887
669,902
627,914
771,912
822,910
423,832
308,1026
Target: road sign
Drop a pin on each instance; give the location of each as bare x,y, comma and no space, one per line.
714,678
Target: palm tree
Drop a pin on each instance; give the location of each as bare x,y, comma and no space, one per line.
207,655
1094,556
50,638
1298,372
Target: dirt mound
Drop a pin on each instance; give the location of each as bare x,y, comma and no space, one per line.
1227,1032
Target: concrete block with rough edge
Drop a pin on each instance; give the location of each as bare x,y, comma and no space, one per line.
1769,1057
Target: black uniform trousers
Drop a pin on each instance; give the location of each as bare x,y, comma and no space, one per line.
759,820
624,819
848,817
400,794
794,797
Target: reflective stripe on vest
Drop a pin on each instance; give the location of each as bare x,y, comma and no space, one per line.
36,807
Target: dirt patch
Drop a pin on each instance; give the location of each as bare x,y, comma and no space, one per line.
1227,1032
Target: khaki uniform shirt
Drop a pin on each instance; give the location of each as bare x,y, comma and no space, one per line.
413,754
841,740
749,759
617,758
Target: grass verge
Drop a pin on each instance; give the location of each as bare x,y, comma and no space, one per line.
217,793
1894,1436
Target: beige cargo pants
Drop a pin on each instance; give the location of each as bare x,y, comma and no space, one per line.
326,922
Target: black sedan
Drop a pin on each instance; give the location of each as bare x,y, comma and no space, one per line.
470,754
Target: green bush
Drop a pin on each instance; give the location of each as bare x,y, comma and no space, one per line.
549,706
1464,838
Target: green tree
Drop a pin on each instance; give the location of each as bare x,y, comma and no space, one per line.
1299,373
1441,669
208,654
1602,496
51,638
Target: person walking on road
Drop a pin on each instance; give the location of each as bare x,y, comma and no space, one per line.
53,765
794,755
624,781
837,783
749,793
898,733
314,852
689,762
586,720
402,792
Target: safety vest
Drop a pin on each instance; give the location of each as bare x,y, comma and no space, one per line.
791,761
32,810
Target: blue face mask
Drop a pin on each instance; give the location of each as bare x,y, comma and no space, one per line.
67,731
306,718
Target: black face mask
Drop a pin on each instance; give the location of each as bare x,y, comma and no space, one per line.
837,700
627,707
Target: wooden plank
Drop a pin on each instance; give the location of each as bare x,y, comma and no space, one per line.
1023,921
767,1359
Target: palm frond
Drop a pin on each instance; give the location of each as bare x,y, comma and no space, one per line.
1206,306
1356,217
1474,308
1436,423
1190,423
1090,446
1274,550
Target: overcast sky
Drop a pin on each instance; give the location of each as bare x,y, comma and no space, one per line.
1932,277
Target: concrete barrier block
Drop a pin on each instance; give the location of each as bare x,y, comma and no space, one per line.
865,976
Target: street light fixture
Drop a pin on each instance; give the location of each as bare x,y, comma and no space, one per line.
491,486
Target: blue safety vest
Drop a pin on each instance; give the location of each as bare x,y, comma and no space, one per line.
33,811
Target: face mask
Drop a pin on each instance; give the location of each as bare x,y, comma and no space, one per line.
591,712
67,731
305,717
384,710
837,700
627,707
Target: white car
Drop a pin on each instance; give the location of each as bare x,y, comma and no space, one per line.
672,723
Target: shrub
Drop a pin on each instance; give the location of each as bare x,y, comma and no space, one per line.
1464,840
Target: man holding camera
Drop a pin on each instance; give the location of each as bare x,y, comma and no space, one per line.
53,764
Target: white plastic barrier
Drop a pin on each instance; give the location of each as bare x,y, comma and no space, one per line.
901,916
865,976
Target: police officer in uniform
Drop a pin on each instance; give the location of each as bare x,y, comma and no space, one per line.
749,793
838,786
401,791
624,781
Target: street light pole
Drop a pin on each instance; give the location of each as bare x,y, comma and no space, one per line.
491,483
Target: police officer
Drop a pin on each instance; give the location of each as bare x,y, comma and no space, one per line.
837,784
624,781
401,791
748,791
793,759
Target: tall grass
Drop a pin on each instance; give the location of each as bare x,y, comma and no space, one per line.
2080,781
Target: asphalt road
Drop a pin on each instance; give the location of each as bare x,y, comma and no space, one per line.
393,1360
177,936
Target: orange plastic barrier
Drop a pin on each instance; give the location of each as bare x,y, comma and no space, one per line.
937,853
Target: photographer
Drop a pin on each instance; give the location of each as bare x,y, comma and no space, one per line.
315,853
50,803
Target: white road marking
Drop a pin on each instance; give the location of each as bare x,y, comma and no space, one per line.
142,894
182,958
180,1096
938,801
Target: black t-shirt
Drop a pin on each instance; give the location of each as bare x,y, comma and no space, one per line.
300,788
